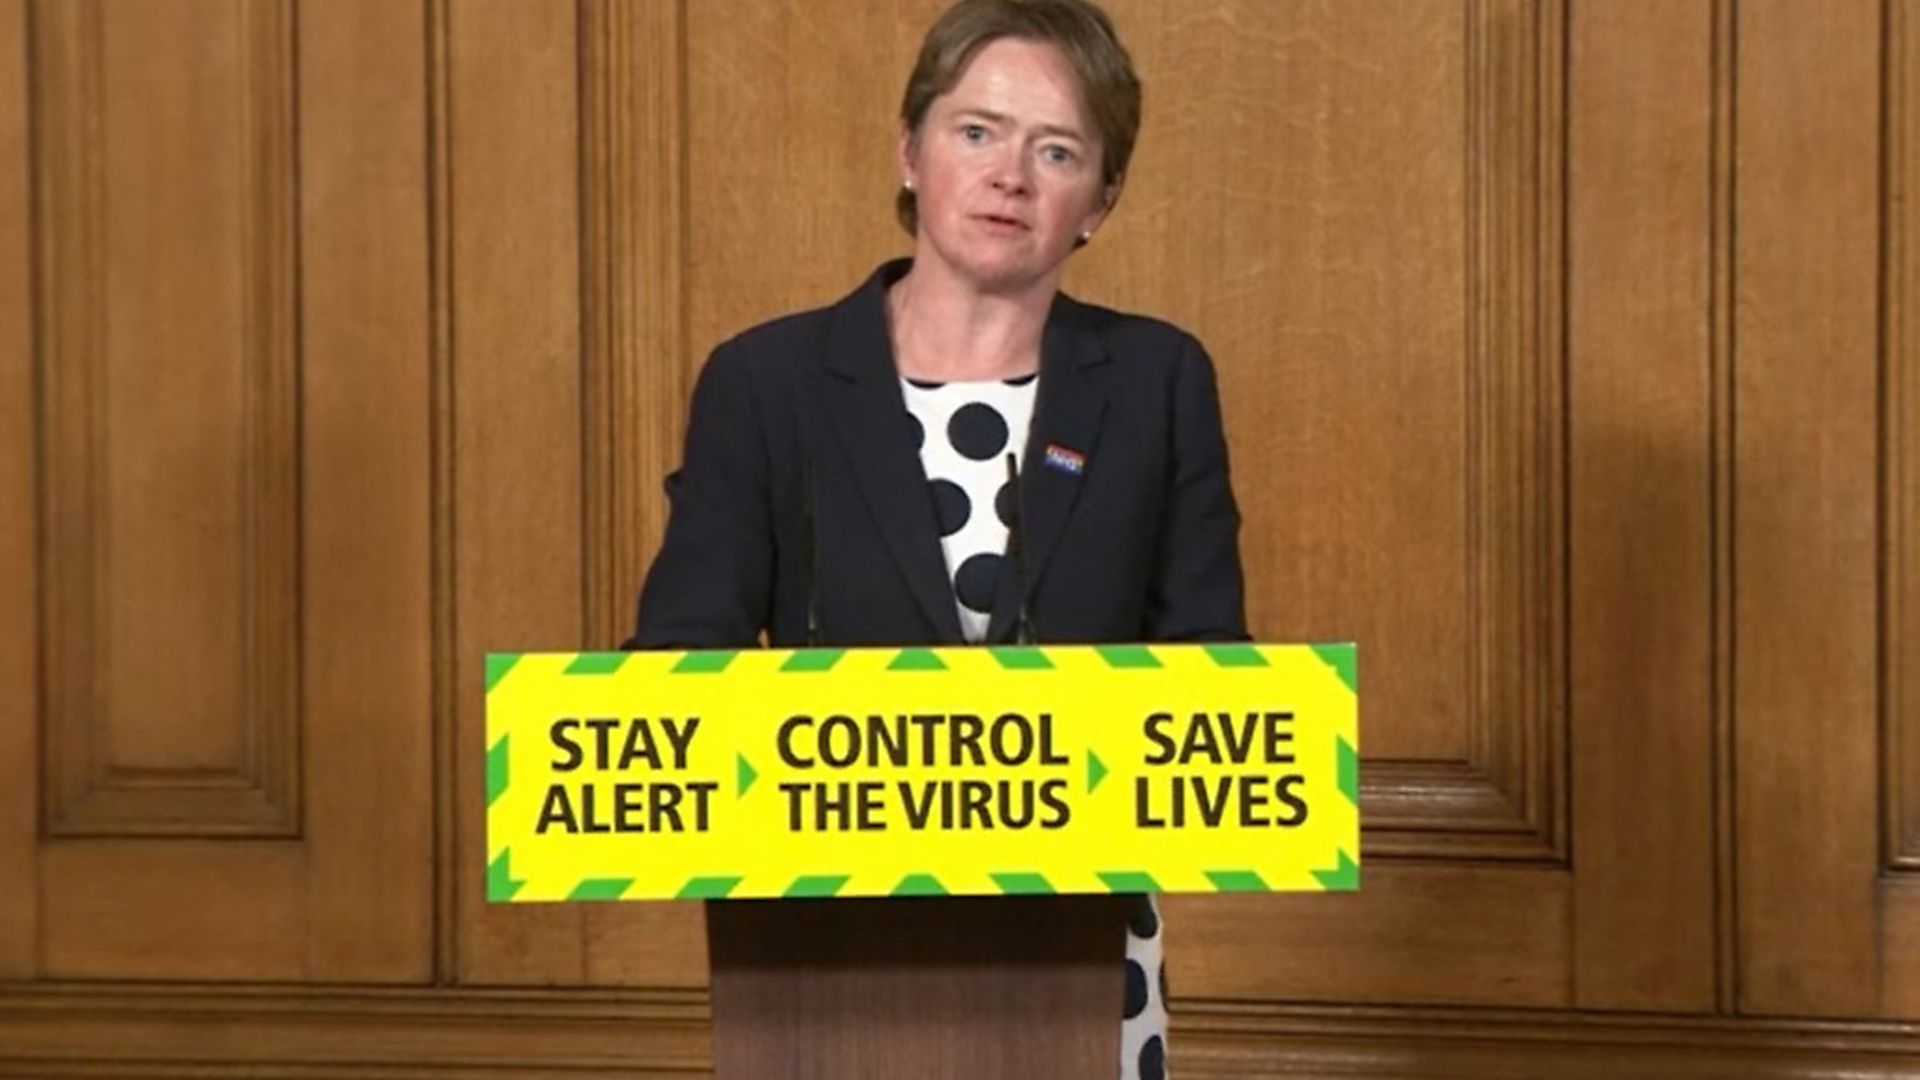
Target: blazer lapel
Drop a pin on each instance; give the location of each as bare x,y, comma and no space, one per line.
1067,418
869,417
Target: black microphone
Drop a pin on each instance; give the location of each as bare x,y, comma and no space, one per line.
1016,546
812,527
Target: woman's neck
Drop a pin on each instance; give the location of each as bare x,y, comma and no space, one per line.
946,331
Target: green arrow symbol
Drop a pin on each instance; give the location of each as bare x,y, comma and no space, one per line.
1096,771
746,774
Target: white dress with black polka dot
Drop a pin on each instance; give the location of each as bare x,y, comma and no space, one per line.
966,430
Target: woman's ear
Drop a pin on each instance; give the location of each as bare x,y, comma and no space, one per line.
905,150
1108,196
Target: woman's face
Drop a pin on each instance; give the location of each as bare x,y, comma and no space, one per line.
1005,168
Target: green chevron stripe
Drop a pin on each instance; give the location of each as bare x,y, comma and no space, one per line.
917,660
707,888
1129,881
600,888
1236,654
919,885
1127,656
704,663
1237,881
500,884
744,773
596,663
497,768
1344,661
811,660
1096,771
815,886
1021,658
1023,884
498,664
1347,763
1342,878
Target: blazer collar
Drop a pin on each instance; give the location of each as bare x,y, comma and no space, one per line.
1066,418
869,416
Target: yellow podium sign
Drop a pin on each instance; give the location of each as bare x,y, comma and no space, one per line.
894,772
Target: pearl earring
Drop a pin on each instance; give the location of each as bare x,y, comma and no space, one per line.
908,184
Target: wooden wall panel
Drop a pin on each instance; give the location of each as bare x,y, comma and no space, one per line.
448,828
804,215
566,347
1390,384
1300,201
1273,1041
633,256
1900,441
1900,948
1641,467
207,1032
1805,492
1900,523
163,367
19,587
367,548
186,909
231,358
634,363
168,365
513,129
1477,935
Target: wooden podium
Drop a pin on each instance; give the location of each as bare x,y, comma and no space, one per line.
931,988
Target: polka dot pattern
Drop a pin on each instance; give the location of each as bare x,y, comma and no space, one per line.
973,586
1145,921
978,431
1153,1059
1136,999
966,429
1143,1023
1003,504
951,507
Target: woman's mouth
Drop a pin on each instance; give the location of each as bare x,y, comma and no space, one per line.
1002,221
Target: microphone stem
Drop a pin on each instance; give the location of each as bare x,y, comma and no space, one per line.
1016,543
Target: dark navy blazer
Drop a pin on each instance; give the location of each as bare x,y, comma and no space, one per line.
1140,544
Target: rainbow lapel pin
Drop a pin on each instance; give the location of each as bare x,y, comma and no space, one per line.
1065,459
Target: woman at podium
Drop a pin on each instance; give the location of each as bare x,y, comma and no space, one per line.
957,452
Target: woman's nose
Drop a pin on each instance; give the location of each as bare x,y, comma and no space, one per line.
1010,174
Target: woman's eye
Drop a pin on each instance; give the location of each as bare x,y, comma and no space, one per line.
1058,155
973,132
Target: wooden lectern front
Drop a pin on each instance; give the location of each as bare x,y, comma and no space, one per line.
928,988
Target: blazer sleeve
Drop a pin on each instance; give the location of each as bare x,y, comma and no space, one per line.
1196,592
711,583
